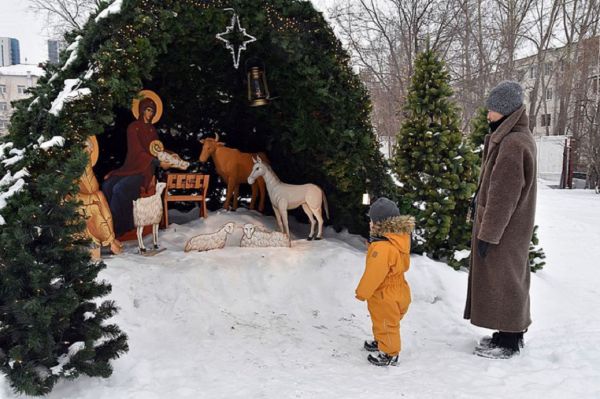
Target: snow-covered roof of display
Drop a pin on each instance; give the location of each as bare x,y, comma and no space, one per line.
22,70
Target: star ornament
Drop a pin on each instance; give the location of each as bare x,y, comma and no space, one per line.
236,32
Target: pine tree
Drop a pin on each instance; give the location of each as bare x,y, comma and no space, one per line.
536,253
479,129
434,165
52,324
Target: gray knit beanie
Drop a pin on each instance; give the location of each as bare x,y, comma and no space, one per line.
383,209
505,98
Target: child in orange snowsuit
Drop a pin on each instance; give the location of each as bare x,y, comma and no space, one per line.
383,285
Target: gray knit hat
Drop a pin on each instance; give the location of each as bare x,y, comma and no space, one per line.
505,98
383,209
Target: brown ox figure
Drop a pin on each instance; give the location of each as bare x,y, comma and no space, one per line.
234,167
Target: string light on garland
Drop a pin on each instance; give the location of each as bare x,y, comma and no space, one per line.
235,28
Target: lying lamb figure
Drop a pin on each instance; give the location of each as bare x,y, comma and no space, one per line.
256,236
206,242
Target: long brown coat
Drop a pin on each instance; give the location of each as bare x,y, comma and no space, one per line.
498,292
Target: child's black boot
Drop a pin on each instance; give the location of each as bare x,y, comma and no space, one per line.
371,346
383,359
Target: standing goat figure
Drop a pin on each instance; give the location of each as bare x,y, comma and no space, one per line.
148,211
290,196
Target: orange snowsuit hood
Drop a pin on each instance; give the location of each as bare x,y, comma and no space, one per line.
387,259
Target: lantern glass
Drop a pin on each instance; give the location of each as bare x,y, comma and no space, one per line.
366,200
258,91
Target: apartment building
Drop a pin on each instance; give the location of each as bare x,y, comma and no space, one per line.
54,49
14,82
10,52
551,74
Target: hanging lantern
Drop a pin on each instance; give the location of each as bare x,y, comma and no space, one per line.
366,200
258,91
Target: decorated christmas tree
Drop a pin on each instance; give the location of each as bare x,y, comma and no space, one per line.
435,167
315,129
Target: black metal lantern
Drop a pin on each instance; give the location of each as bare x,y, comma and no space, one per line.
258,90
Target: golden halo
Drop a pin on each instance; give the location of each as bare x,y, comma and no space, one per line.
135,105
156,146
93,149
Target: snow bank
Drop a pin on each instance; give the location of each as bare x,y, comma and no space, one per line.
283,322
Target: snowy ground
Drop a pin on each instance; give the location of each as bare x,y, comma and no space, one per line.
283,323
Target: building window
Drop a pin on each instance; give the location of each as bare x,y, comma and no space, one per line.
532,72
546,121
547,68
3,124
549,93
3,106
2,89
21,89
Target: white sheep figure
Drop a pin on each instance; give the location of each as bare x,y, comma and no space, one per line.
256,236
148,211
206,242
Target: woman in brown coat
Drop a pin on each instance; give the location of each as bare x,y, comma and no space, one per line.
499,276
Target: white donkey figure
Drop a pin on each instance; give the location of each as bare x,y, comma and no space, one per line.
290,196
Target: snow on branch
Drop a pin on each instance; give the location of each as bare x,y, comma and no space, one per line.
66,358
70,93
34,102
15,188
9,178
54,141
114,8
73,49
5,146
18,155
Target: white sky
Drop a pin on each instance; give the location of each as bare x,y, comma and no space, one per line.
20,23
17,21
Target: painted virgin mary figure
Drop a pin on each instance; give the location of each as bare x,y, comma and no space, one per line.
135,178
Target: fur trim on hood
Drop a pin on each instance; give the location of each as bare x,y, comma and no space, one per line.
402,224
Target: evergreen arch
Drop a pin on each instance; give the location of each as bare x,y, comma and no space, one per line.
317,130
